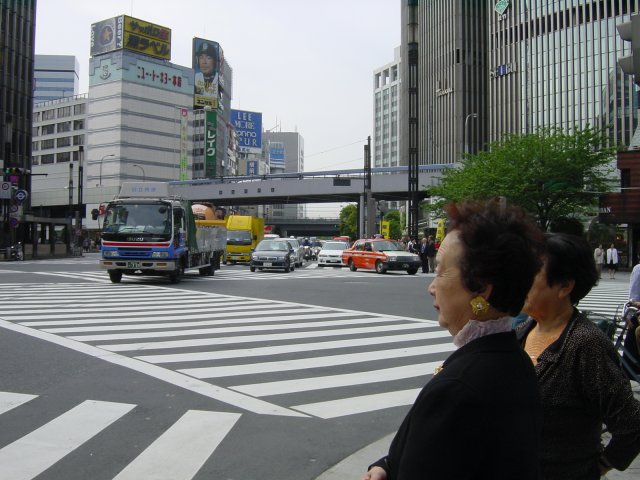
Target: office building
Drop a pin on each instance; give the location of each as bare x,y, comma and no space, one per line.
386,116
55,76
17,36
490,68
286,155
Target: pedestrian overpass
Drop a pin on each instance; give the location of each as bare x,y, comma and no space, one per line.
387,183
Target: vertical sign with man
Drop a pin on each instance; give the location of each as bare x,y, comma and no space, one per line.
207,64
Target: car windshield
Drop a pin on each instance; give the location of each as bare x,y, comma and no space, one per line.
385,246
335,246
271,245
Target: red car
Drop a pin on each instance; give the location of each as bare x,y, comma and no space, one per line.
380,255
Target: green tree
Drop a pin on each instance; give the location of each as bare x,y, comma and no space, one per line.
395,225
549,173
348,221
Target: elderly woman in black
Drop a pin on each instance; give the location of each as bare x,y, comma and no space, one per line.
582,384
480,416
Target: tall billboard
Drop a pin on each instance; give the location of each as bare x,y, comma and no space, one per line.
208,65
210,143
130,33
248,127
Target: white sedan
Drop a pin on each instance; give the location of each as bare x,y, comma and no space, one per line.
331,253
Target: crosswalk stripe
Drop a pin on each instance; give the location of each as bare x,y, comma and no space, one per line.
9,400
315,362
223,330
181,451
124,347
250,318
148,310
268,389
361,404
289,348
35,452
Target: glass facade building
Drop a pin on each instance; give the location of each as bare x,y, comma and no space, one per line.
489,68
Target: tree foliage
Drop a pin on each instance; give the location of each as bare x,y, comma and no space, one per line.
549,173
395,227
348,221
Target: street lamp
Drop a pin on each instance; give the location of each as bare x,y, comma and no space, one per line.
102,160
144,177
465,133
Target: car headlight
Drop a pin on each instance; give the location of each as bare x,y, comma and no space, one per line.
109,253
160,255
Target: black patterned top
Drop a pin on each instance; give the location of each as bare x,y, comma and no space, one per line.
583,387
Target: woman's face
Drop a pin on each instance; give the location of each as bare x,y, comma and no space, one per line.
450,297
541,299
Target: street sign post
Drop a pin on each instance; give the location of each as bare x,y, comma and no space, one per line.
21,195
5,190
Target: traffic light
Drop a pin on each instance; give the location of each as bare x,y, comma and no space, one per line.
12,171
630,32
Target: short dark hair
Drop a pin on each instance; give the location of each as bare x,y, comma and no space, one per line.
502,247
569,258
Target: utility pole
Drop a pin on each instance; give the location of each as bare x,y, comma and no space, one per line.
412,53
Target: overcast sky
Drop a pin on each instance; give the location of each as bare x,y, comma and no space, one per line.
306,65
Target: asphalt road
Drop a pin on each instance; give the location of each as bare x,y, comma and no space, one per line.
286,375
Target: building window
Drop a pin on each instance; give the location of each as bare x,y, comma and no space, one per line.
64,127
64,112
63,157
64,142
79,109
48,129
78,124
35,146
45,144
49,158
48,115
78,139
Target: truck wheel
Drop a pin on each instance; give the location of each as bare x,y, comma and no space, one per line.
115,276
176,276
203,271
380,267
412,271
253,269
352,267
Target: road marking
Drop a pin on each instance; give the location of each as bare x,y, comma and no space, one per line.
334,381
314,362
289,348
124,347
31,455
201,323
181,451
222,330
362,404
9,400
189,383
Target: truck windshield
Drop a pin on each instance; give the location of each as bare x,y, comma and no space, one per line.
238,237
148,220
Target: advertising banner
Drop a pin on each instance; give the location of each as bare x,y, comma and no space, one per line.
276,155
131,34
252,167
210,140
184,141
207,65
248,126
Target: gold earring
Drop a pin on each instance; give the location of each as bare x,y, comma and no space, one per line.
479,305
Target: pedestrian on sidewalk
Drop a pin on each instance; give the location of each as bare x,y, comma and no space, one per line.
423,255
598,256
612,261
479,416
581,382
